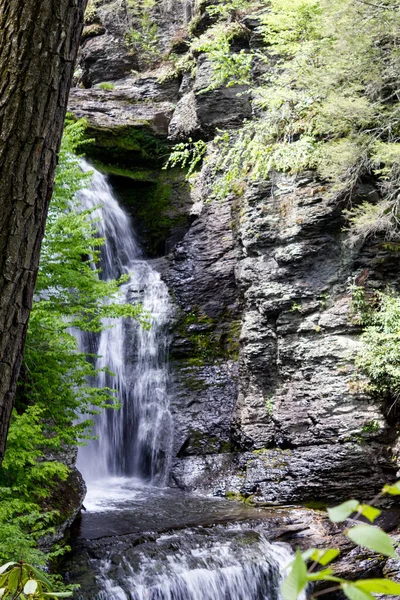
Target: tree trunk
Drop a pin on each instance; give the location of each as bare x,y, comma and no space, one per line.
39,41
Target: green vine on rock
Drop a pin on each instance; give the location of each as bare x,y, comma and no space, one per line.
187,155
143,33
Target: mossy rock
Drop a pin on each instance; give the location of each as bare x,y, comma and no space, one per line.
127,146
209,340
92,30
156,200
238,497
200,443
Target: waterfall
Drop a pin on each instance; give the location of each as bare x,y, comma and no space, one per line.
140,541
135,440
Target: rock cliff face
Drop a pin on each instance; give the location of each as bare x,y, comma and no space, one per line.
301,428
266,400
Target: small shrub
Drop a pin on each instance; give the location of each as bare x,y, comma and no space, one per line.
106,85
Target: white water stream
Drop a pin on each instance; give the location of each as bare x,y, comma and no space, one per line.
135,440
232,565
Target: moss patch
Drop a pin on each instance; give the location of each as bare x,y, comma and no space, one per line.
136,174
210,339
316,505
157,200
151,206
240,497
127,146
199,443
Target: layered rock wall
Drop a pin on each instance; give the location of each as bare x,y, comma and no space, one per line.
266,400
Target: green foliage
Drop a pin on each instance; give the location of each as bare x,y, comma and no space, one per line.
328,99
106,85
187,155
54,383
269,404
370,427
142,35
25,480
178,65
228,68
372,538
379,313
233,10
303,570
341,512
296,307
20,580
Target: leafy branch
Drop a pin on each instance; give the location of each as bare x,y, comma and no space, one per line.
365,535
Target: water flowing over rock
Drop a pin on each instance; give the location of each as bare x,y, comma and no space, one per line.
264,395
134,446
134,440
198,565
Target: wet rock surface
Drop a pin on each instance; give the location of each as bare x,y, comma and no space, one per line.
128,544
313,433
265,398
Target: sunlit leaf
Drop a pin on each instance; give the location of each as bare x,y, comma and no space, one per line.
354,593
369,512
393,489
343,511
30,587
326,556
296,581
379,586
321,555
372,538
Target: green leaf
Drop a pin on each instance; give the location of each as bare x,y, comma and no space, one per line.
343,511
58,594
393,490
354,593
296,581
372,538
4,568
40,576
309,553
324,557
379,586
30,587
14,579
369,512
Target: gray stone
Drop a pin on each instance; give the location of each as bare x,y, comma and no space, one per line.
133,102
185,122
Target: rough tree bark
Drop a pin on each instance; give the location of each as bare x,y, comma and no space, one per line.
39,41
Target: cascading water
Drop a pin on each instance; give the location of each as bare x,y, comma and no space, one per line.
204,556
229,563
133,441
